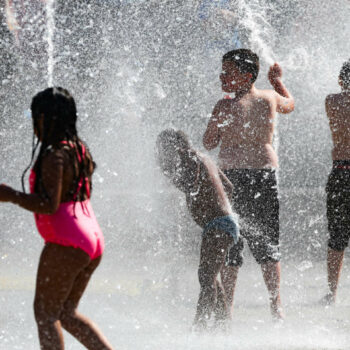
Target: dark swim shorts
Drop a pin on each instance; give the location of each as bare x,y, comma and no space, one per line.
255,200
338,205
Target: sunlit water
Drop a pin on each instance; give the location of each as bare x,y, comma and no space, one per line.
50,25
135,70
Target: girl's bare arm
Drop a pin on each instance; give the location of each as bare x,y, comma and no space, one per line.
52,174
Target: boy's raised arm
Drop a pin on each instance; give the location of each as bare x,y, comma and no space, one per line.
284,99
211,136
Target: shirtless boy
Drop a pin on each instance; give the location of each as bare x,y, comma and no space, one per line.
338,185
204,185
244,126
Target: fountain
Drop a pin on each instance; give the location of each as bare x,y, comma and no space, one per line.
136,67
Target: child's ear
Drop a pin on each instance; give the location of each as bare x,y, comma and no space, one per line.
340,82
249,77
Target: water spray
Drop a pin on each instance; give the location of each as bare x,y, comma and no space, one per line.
50,25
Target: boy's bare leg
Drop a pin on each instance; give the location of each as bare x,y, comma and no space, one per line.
221,310
229,276
213,253
334,264
272,276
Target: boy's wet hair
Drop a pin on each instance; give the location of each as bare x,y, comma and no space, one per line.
173,138
245,60
344,74
169,142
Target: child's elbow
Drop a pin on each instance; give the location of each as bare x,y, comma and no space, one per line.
287,107
292,105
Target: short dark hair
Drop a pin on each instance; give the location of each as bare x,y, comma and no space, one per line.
344,74
169,142
245,60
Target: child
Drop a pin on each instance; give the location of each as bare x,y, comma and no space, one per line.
60,186
204,186
338,185
244,126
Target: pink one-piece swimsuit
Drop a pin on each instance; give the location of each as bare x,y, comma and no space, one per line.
73,224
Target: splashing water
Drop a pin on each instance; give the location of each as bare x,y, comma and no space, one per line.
260,33
135,69
253,18
50,25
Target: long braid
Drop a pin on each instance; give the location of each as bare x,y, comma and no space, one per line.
34,148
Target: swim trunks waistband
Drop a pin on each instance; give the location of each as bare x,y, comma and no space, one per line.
341,164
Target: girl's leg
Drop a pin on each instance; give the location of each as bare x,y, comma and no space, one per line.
58,268
213,253
76,324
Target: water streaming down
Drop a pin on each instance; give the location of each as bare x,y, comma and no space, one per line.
136,67
50,25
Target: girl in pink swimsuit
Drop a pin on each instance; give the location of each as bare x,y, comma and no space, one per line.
60,187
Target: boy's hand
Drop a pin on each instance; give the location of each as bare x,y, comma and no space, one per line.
275,73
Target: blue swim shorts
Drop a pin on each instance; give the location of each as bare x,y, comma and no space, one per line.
226,223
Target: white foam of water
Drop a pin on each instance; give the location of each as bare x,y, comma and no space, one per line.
253,18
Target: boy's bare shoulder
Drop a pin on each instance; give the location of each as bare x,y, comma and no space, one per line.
332,99
267,94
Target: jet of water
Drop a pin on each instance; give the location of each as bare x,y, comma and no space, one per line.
50,23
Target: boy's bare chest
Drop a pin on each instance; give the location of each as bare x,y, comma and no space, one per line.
245,115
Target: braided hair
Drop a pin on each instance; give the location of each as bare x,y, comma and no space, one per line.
56,107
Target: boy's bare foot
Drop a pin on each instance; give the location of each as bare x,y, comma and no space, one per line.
328,299
221,326
199,326
276,311
278,315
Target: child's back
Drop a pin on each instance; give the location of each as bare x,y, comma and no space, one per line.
338,112
207,198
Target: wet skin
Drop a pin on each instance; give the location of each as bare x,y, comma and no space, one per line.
204,185
63,272
338,112
206,189
244,124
